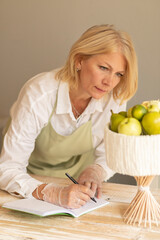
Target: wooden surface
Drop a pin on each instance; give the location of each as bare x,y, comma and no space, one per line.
104,223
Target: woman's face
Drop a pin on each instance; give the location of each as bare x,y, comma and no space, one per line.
100,73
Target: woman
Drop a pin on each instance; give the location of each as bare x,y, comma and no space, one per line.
57,123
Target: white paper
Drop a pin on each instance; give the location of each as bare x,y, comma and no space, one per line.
42,208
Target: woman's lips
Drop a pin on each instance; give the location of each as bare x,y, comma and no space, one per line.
101,90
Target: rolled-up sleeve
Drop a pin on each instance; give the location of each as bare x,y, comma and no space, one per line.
17,146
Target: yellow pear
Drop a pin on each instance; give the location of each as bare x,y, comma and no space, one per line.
115,119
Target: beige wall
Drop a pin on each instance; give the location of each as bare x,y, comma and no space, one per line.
36,36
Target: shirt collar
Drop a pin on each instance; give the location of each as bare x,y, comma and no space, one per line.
95,105
64,104
63,100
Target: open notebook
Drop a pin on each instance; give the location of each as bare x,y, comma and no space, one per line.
41,208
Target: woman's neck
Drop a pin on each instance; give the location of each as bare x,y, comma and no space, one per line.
79,102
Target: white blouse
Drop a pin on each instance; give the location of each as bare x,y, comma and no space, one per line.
31,112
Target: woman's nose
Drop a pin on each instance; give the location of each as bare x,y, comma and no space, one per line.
108,79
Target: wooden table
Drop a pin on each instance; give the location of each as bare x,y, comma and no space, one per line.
104,223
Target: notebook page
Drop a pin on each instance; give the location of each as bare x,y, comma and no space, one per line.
89,206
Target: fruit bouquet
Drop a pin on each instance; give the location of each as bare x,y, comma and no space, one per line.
132,144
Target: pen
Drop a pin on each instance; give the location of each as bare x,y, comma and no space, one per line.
74,181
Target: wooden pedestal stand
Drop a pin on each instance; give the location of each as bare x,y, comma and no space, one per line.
143,208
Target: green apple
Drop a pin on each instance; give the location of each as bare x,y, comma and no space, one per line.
130,126
153,108
115,119
138,111
151,123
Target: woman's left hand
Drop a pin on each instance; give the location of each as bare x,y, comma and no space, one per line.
92,177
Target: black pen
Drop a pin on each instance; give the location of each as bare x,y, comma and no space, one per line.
74,181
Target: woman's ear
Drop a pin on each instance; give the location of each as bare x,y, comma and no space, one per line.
78,63
78,68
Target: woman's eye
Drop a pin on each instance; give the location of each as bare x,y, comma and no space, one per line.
103,68
119,75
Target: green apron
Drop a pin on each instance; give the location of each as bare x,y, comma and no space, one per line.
55,154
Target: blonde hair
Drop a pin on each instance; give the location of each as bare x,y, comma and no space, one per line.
102,39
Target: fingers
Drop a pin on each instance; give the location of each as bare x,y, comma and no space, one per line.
83,192
79,203
75,195
83,196
96,188
99,192
91,183
86,192
92,186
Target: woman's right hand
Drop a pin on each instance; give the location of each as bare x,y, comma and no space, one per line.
73,196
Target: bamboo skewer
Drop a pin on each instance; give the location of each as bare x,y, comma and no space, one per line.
143,208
